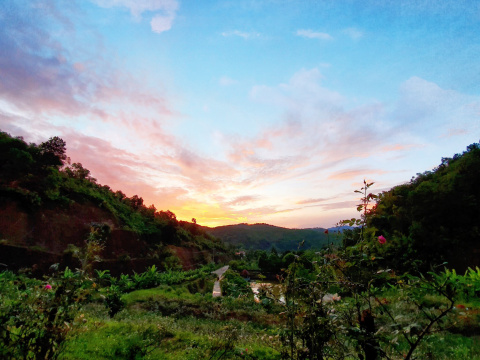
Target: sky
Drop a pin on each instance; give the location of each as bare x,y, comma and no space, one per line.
245,111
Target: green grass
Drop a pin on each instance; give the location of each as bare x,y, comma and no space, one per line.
136,333
170,322
184,321
163,291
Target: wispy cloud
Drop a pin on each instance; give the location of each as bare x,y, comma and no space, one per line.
314,34
226,81
164,11
340,205
454,132
312,201
243,34
422,103
292,168
354,174
243,200
41,75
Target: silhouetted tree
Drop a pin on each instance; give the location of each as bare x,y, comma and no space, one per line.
53,151
77,171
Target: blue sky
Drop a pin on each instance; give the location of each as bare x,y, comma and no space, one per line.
244,111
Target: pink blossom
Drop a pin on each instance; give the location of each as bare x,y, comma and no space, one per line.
48,287
382,240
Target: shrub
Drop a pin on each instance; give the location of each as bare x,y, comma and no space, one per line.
234,285
37,318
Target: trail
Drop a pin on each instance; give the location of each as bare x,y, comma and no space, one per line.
217,291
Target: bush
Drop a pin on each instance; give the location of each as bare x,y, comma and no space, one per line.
234,285
37,318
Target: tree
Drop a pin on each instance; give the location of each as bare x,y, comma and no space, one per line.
53,151
77,171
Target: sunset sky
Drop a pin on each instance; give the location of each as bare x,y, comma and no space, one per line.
233,111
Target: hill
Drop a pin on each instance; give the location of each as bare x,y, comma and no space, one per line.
435,218
49,208
264,237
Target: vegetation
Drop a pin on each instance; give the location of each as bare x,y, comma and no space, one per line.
433,219
40,178
385,290
264,237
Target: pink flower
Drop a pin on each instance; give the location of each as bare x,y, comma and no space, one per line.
326,232
336,297
48,287
382,240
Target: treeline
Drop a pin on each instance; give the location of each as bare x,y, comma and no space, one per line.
41,176
264,237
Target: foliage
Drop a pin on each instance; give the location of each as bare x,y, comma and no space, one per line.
152,278
113,300
264,236
363,318
234,285
435,218
370,298
40,177
36,319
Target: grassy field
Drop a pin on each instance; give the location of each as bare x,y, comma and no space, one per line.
168,322
179,319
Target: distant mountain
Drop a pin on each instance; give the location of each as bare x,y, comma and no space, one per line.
264,237
333,230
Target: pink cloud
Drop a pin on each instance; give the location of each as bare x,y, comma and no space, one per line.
242,200
164,11
40,74
354,174
454,132
312,201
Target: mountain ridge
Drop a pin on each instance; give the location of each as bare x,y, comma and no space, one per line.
262,236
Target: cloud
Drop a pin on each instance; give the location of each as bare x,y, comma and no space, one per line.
315,139
400,147
454,132
40,75
340,205
314,34
312,201
353,33
161,23
423,103
226,81
316,120
242,200
164,10
242,34
353,174
36,74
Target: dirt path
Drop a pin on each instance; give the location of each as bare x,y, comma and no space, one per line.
217,291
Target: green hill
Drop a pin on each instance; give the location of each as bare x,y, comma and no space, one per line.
435,218
264,237
48,208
